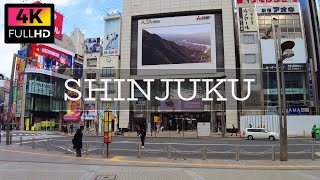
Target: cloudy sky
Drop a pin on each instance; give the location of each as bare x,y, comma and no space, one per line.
85,14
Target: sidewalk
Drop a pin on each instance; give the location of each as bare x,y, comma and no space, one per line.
24,163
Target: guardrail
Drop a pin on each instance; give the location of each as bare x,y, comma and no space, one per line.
173,152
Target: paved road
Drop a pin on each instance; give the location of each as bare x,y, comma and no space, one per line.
18,163
187,148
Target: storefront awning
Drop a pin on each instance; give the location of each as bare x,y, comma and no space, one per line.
70,117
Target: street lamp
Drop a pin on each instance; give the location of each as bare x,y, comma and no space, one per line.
282,52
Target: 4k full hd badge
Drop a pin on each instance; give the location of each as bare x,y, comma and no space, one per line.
29,23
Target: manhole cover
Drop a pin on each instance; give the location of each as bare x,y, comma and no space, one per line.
106,177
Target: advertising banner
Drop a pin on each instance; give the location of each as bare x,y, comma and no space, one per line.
58,22
41,88
277,9
51,58
184,42
182,106
263,1
248,19
298,110
310,81
73,107
111,44
92,45
268,53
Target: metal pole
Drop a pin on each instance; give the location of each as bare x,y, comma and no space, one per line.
237,152
33,143
10,98
313,157
87,149
102,150
139,150
10,138
283,139
169,152
67,147
20,140
273,153
204,155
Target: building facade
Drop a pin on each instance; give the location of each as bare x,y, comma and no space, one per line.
311,18
214,59
257,56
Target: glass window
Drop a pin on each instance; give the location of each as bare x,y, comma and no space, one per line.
290,29
284,29
296,16
249,58
93,93
91,76
261,22
296,23
111,88
262,30
248,39
268,22
108,72
298,35
289,22
92,62
291,35
297,29
282,22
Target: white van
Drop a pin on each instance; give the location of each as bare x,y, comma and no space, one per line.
260,133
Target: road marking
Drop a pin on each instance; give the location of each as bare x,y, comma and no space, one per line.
193,174
237,166
116,158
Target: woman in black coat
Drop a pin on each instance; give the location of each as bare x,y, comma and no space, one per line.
77,142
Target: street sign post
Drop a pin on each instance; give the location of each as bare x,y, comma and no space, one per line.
107,138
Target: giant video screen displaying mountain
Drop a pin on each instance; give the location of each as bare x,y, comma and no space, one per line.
182,44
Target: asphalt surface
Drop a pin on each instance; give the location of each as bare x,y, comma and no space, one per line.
217,148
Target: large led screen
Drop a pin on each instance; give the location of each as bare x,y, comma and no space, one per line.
183,42
176,45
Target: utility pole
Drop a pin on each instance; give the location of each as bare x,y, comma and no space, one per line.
10,98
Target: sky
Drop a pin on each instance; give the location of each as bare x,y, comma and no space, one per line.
84,14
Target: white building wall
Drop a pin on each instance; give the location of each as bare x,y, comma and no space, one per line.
77,38
138,7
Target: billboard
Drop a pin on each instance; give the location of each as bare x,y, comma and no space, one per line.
263,1
50,59
295,63
58,22
92,45
111,44
248,19
184,42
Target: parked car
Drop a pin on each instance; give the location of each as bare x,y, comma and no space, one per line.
260,133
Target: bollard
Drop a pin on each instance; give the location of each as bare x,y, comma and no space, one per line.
20,140
47,144
139,150
204,155
273,153
33,143
237,153
10,138
169,151
304,133
313,153
87,149
67,148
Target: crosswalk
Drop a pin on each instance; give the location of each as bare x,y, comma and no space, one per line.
24,134
29,136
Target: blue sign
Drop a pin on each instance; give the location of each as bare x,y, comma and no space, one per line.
22,53
300,110
310,81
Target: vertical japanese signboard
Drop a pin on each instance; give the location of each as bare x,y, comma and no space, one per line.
248,19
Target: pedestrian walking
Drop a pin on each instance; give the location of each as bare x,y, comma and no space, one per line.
219,129
142,137
234,130
250,126
77,142
71,129
138,130
158,128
